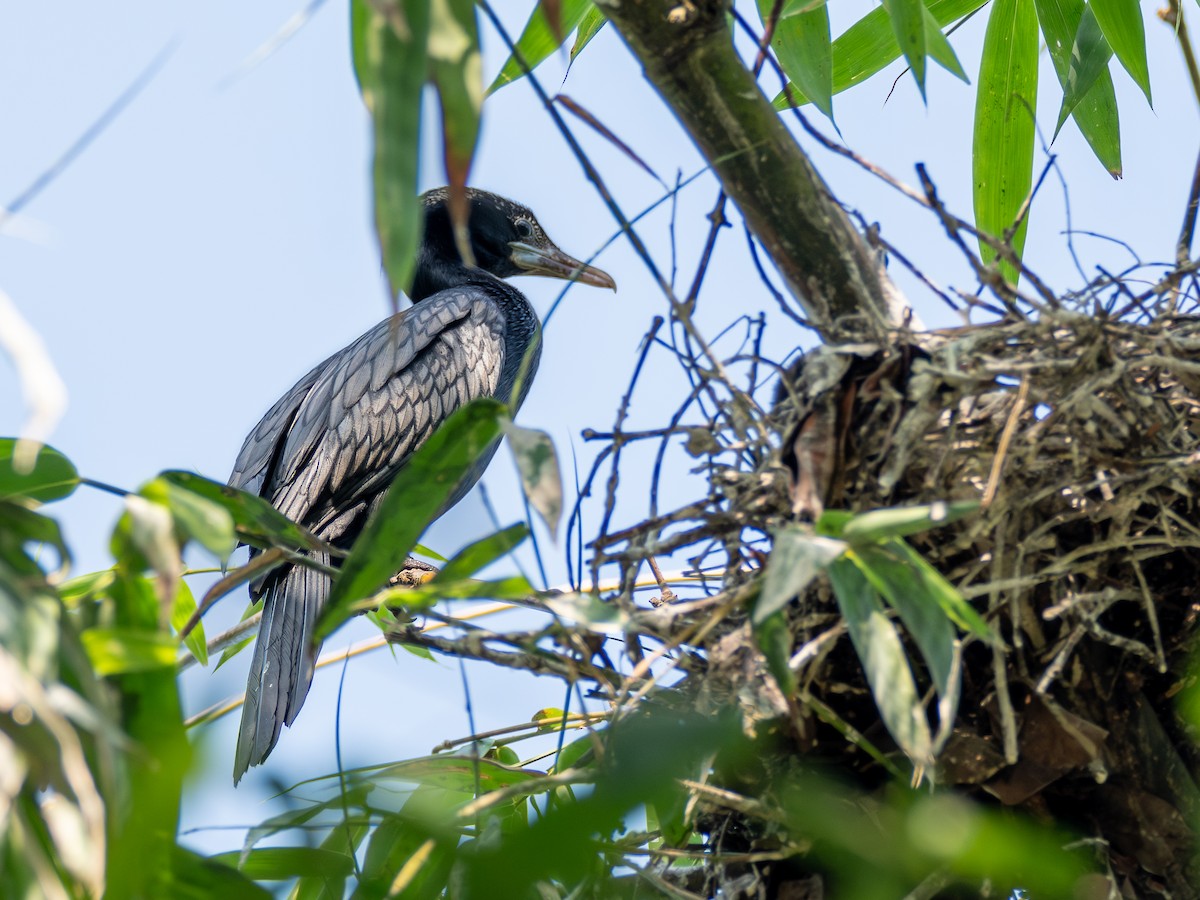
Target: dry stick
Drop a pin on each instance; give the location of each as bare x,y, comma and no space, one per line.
1173,16
610,496
1006,436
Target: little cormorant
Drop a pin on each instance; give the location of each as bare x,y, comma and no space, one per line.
326,452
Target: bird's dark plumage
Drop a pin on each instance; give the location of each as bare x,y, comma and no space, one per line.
326,452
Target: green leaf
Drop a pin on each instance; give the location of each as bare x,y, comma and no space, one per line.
455,773
82,587
593,20
590,611
391,61
580,752
775,641
285,863
114,651
904,520
796,558
456,71
932,584
145,536
481,553
182,611
538,464
417,496
51,477
537,40
198,518
198,878
257,521
870,44
234,649
908,23
1121,22
515,587
919,610
802,43
1081,54
882,656
937,45
1005,111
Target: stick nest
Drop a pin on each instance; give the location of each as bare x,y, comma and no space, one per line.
1081,437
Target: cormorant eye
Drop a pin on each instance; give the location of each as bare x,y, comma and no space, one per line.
524,229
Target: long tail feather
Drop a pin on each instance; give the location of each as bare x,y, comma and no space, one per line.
282,668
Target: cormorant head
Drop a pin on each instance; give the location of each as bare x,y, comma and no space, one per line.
506,240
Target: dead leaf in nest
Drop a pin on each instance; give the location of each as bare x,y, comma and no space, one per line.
1146,827
810,456
1051,743
968,759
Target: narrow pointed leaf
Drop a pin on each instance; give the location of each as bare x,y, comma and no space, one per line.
417,496
482,553
1005,107
389,42
1081,54
924,619
882,656
256,521
540,477
937,45
1121,22
182,611
589,26
52,477
899,521
803,45
796,559
457,72
538,41
115,651
931,583
870,44
908,22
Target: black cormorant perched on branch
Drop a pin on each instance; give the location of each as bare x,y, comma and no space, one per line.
325,454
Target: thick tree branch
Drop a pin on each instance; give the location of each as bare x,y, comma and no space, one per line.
687,52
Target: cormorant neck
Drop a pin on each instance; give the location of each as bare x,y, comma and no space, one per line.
436,272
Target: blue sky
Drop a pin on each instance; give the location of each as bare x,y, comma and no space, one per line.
216,241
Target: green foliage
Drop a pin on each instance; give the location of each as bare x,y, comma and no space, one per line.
44,474
418,494
1081,37
871,568
1005,124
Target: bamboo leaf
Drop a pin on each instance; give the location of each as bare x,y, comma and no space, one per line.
796,559
1121,23
939,49
538,41
900,521
182,611
1081,54
908,23
870,44
802,43
882,656
593,20
540,477
416,497
1005,108
389,40
456,70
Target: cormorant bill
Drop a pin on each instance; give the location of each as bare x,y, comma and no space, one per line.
326,452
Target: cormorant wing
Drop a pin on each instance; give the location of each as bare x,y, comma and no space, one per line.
373,403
